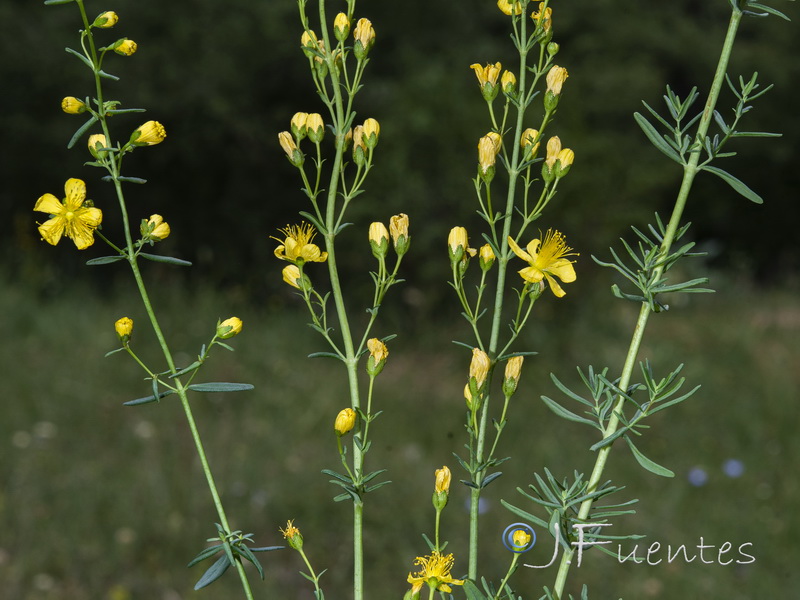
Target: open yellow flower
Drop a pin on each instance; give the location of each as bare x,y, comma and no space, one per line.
69,217
547,259
435,572
297,247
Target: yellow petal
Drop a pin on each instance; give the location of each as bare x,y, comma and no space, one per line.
91,216
531,274
555,287
76,193
563,269
49,204
533,248
52,230
82,236
519,251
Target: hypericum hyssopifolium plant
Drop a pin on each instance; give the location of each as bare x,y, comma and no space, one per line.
77,218
613,403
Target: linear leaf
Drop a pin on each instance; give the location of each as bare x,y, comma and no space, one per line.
104,260
220,386
81,130
566,414
736,184
213,573
655,138
648,464
148,399
165,259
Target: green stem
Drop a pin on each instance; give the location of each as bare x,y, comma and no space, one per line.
690,170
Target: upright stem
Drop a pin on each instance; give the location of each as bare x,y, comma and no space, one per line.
689,172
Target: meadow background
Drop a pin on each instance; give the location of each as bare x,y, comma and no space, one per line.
102,501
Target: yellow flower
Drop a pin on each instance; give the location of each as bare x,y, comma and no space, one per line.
72,217
292,276
487,74
298,125
292,535
286,141
520,539
556,77
106,20
229,328
435,572
486,257
315,127
155,228
378,353
564,160
297,247
543,19
508,82
488,148
341,26
124,327
553,148
72,106
511,375
546,259
443,477
364,35
372,130
149,134
508,7
479,366
398,228
125,47
378,239
345,421
457,242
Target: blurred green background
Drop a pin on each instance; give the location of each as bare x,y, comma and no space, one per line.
102,501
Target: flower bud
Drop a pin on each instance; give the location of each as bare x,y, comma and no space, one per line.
529,143
149,134
125,47
487,79
124,327
564,161
154,229
72,106
371,132
97,143
556,77
106,20
520,539
292,535
315,128
229,328
292,151
553,148
359,147
488,148
441,488
364,35
378,240
378,352
310,44
552,48
298,125
341,27
457,243
511,376
487,257
544,19
398,228
479,367
292,276
509,83
345,421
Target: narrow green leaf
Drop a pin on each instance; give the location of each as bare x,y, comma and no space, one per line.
185,370
566,414
656,139
82,57
104,260
204,554
148,399
220,386
648,464
114,351
524,514
165,259
767,9
81,130
107,75
314,221
472,591
132,179
121,111
737,185
213,573
54,2
490,478
325,355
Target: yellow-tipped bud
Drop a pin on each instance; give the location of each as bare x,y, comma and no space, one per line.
488,148
315,127
106,20
229,328
564,161
298,125
441,488
310,44
479,367
529,142
154,229
149,134
457,243
345,421
556,77
553,148
364,35
341,27
378,240
487,79
486,257
72,106
292,276
124,327
511,376
520,539
508,7
292,535
292,151
96,144
398,228
359,147
125,47
508,82
372,130
543,19
378,353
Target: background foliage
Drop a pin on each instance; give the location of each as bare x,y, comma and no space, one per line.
90,501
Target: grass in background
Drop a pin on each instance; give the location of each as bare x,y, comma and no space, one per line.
98,500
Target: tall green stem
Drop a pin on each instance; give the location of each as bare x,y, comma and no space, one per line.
689,172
